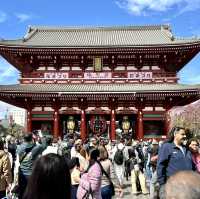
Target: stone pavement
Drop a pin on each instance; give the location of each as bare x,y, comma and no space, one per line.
127,192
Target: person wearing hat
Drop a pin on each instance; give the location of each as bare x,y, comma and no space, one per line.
119,167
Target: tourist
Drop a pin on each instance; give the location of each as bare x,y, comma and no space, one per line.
119,165
137,175
12,150
5,171
27,153
193,145
173,157
153,157
183,185
50,179
126,156
106,189
50,148
94,142
80,153
90,183
76,148
74,167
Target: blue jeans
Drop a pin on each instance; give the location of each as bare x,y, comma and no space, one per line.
106,192
2,194
23,181
74,189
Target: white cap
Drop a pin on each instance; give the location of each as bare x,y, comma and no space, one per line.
120,146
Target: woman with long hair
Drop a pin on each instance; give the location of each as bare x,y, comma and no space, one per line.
50,179
106,189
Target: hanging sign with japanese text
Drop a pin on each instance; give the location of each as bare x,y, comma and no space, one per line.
56,75
92,75
140,75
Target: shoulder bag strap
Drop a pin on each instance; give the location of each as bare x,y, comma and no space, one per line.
27,152
104,172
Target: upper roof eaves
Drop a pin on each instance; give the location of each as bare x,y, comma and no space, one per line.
101,36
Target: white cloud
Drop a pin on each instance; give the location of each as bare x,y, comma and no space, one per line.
142,7
8,74
3,17
8,71
23,17
4,107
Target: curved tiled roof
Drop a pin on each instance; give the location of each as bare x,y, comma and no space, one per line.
97,88
123,36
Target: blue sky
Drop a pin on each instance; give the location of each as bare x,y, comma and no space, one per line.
182,15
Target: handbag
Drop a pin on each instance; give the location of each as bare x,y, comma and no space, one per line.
112,188
84,189
88,194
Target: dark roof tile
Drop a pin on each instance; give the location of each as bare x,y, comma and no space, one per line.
123,36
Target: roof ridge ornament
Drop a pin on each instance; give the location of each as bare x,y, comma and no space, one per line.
31,31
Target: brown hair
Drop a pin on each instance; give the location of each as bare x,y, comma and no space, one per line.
103,153
83,152
192,140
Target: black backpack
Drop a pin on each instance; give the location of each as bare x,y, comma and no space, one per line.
119,157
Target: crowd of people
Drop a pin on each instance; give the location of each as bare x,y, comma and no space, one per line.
40,167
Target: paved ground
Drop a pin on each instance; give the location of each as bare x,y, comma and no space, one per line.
127,193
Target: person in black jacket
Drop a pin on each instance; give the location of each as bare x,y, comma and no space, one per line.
12,147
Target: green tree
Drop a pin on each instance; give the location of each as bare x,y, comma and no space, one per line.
3,131
16,130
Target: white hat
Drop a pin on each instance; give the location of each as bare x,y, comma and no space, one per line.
120,146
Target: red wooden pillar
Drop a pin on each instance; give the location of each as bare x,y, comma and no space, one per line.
113,126
29,120
83,125
56,124
140,127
